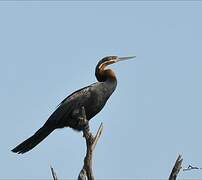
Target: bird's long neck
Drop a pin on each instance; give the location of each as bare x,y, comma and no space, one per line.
103,74
111,82
107,76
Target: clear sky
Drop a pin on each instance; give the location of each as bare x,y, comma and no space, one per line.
50,49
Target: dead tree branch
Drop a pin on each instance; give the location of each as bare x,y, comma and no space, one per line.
176,168
190,167
86,171
53,174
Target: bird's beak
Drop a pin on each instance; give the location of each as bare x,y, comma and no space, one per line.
125,58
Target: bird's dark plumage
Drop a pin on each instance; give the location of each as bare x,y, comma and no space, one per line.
31,142
69,111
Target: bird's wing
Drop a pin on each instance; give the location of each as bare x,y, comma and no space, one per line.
74,93
68,97
70,103
56,118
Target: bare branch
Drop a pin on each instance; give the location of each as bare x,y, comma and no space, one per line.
176,168
97,136
190,167
87,172
53,174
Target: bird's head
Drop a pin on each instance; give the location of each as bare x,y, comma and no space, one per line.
103,63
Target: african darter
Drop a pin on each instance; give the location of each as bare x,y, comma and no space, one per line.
69,111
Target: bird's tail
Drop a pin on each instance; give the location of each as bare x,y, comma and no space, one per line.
31,142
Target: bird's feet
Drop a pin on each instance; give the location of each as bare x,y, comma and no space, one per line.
83,122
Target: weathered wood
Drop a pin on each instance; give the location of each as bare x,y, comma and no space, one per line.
53,174
176,168
87,172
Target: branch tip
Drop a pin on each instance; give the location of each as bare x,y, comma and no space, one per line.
176,168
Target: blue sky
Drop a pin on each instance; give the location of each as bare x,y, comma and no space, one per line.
50,49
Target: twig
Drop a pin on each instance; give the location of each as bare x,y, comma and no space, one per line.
53,174
190,167
86,171
97,136
176,168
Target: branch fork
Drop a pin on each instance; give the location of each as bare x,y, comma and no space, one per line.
91,142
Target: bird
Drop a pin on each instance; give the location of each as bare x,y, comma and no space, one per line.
91,98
